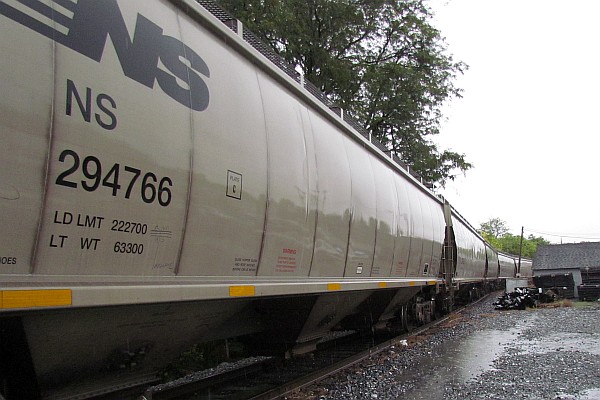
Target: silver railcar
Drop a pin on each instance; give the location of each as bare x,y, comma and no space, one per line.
163,184
508,268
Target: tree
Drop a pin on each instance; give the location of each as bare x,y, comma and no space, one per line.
381,60
494,227
495,232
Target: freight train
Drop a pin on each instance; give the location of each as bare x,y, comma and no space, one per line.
165,182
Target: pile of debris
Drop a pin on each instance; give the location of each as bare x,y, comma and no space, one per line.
522,298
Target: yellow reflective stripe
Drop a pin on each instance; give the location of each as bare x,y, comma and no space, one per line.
35,298
411,283
382,284
238,291
334,286
431,282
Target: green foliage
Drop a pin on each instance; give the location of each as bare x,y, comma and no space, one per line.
200,357
491,239
191,360
495,227
381,60
495,232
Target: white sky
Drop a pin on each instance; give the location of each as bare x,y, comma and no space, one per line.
528,119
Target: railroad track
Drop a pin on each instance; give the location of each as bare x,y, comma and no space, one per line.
267,379
348,362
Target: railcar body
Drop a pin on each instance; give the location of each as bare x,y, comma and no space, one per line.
491,263
526,270
507,266
470,251
163,184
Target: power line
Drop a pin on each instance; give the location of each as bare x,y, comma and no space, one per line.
567,236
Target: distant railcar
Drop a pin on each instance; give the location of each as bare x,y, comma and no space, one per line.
526,269
507,266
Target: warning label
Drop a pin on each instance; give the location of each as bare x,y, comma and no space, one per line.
286,262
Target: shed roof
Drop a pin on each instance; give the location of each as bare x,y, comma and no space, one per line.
570,255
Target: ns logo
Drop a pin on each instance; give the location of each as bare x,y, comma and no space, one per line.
88,26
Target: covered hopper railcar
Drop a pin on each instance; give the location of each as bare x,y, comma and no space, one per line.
162,183
525,269
507,266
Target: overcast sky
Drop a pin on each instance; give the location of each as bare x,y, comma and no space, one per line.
528,119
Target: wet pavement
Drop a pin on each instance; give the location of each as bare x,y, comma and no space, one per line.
458,362
549,353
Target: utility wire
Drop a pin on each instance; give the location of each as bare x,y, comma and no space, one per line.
562,235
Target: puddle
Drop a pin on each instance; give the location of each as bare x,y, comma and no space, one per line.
460,361
474,355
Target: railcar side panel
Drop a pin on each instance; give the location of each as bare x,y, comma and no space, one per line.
471,252
291,211
526,268
226,218
363,226
507,266
118,177
464,251
417,240
492,260
437,236
387,208
428,236
25,131
334,200
404,227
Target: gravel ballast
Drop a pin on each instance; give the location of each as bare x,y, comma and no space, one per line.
483,353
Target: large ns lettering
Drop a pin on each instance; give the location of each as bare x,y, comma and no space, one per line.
94,21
